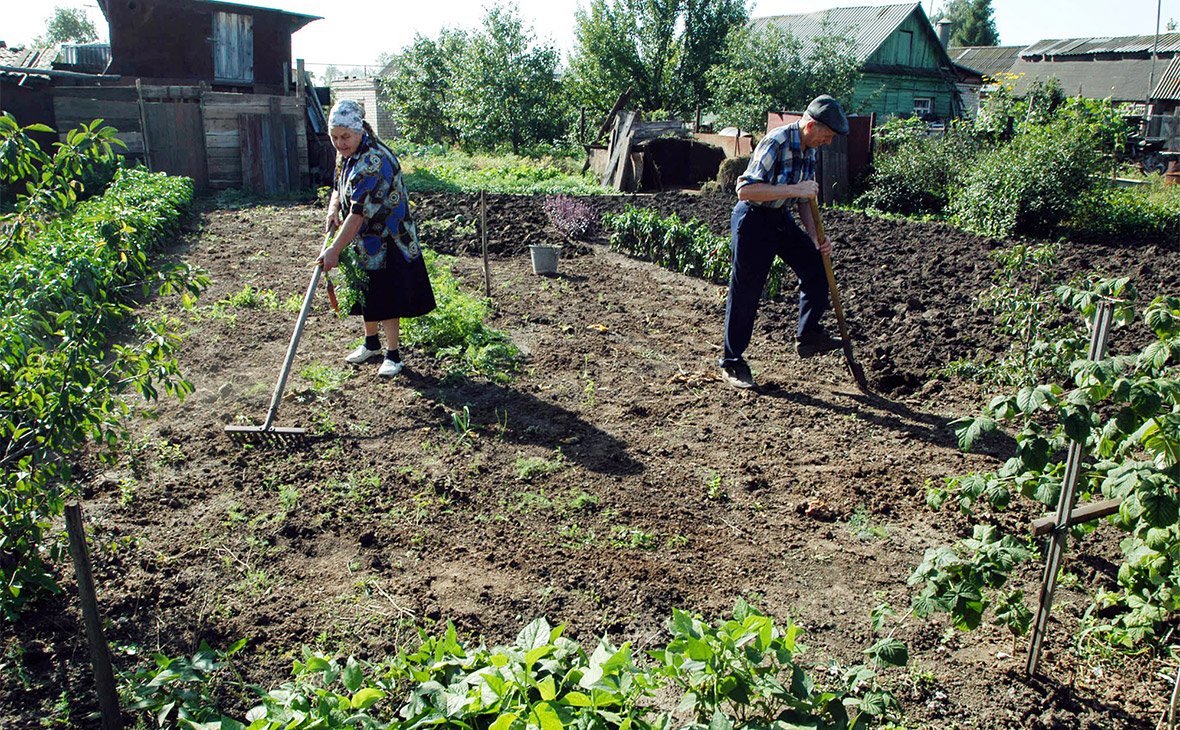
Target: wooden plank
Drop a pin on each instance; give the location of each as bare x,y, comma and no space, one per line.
72,111
291,154
178,135
619,149
252,151
1085,513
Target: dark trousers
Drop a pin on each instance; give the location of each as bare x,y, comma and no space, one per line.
757,235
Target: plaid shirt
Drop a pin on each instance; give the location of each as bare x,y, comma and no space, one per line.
779,159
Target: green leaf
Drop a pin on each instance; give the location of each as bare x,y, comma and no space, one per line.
504,721
548,688
577,699
366,697
352,676
533,636
545,715
888,652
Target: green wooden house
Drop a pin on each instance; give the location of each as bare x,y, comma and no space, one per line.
905,68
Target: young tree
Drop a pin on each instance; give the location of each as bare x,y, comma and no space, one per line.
505,87
771,70
420,84
972,23
67,25
661,48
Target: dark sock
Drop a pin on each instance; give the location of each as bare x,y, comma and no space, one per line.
393,356
372,343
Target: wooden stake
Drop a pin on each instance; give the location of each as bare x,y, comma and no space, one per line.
147,153
1062,521
100,655
483,230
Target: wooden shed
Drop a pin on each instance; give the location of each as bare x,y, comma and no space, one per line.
230,47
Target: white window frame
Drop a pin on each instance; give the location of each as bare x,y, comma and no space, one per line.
923,108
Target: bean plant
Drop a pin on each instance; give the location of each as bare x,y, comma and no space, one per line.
740,674
685,246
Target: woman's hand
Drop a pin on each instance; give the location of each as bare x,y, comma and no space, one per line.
330,258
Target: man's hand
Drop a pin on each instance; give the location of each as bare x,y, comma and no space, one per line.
806,189
333,220
824,246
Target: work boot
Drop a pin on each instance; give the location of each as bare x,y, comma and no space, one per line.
815,342
737,374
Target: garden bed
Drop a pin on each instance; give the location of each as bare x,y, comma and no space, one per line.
613,479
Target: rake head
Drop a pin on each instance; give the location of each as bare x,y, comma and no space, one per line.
276,435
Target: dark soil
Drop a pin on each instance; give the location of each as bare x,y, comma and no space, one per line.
657,487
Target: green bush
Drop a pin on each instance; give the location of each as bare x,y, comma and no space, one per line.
63,382
740,674
1029,185
1129,213
914,171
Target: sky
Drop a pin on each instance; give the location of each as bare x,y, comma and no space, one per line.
354,33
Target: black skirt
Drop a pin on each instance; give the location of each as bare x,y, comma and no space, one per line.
401,289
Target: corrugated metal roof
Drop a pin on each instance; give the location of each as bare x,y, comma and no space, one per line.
867,26
1123,80
1168,42
1168,89
988,60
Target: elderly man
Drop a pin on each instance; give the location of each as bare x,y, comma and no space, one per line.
761,227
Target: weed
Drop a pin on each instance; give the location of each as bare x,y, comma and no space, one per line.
860,525
323,379
632,537
127,487
530,467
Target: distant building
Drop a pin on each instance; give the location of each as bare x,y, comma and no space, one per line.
905,68
367,92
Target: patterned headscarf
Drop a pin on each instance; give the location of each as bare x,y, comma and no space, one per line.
347,113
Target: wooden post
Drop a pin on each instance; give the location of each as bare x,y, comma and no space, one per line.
286,78
483,230
299,72
737,139
100,656
147,154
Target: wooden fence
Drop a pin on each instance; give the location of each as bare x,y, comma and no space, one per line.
1167,128
221,140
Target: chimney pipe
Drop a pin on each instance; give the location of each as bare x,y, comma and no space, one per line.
944,32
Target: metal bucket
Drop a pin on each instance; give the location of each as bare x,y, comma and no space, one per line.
544,258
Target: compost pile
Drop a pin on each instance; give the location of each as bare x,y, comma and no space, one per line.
611,479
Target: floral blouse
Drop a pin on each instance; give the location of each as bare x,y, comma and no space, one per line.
370,184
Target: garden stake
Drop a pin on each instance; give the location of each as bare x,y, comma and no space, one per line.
268,431
858,373
1073,465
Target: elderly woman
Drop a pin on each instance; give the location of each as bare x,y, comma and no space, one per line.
369,209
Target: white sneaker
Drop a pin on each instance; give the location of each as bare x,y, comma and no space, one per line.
389,368
361,354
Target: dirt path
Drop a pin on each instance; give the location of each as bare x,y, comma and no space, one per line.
613,479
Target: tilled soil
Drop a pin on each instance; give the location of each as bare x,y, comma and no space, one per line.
613,479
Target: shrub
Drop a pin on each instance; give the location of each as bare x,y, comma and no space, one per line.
573,217
915,171
688,247
62,381
1029,185
1129,213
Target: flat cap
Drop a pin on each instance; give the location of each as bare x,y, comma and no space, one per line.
827,110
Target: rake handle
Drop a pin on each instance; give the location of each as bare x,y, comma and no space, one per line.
303,312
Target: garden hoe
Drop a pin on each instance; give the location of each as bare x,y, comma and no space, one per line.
268,431
858,373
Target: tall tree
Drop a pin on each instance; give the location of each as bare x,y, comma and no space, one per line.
772,70
661,48
419,82
67,25
506,88
972,23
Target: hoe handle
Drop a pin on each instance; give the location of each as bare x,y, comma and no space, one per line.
303,312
